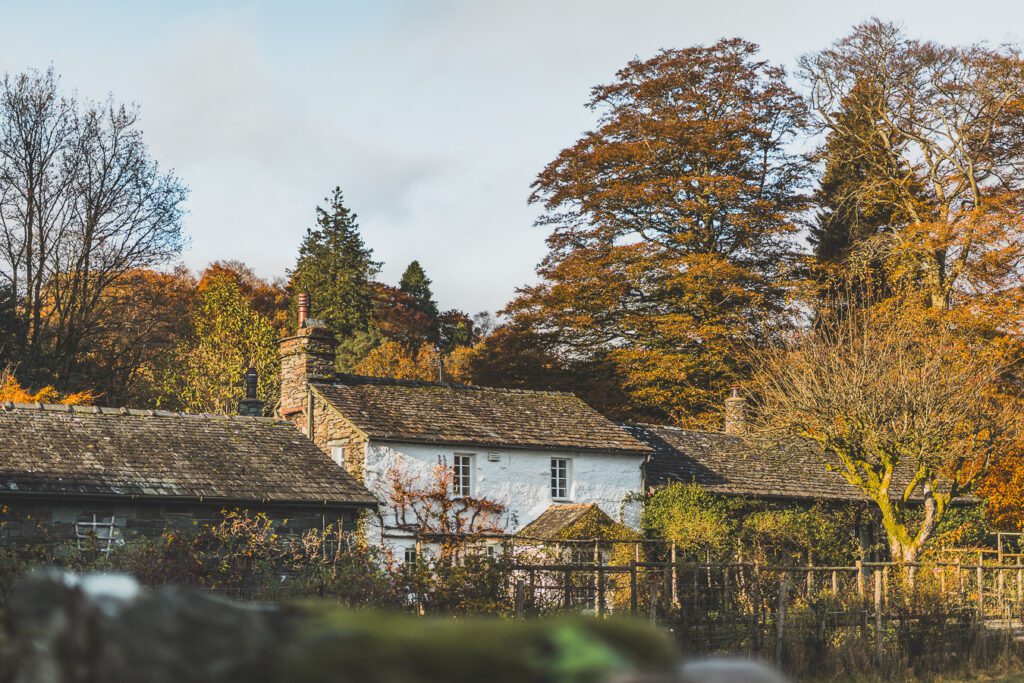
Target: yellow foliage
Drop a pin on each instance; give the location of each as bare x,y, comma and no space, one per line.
398,361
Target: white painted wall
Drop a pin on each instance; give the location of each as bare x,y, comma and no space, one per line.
520,479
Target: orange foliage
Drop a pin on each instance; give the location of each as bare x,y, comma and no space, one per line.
435,513
11,390
670,233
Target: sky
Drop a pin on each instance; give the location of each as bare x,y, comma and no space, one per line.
433,116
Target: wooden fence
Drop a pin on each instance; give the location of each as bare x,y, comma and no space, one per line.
888,612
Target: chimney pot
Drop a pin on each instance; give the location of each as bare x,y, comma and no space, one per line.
251,380
735,412
251,405
303,308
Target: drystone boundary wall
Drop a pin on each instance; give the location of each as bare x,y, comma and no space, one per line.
64,628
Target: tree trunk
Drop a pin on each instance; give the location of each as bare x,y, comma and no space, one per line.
904,553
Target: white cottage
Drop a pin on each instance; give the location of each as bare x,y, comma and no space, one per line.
528,450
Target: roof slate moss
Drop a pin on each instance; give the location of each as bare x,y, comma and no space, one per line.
554,521
459,414
87,451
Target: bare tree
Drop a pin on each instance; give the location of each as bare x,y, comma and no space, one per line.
81,205
947,148
910,409
36,136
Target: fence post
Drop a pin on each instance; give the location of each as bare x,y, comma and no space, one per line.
835,583
726,590
673,597
885,585
980,575
780,618
878,616
567,596
860,578
600,586
654,602
1020,584
520,597
419,596
633,602
999,591
597,577
669,587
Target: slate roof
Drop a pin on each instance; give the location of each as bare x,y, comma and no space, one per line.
459,414
557,518
726,464
87,451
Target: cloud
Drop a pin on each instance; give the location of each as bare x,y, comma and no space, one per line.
433,117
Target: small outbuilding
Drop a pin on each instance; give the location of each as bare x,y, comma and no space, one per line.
122,473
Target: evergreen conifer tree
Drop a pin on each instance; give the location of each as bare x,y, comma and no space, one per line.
855,195
416,284
337,269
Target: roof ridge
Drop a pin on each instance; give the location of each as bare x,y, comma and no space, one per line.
9,406
651,425
351,378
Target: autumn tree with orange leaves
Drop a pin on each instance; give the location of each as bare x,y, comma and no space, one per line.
935,134
941,140
671,226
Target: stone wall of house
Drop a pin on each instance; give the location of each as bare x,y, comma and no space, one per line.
41,520
307,356
334,434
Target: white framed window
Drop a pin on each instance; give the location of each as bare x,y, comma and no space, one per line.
338,450
462,474
561,478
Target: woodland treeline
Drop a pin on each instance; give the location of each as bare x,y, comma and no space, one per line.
851,228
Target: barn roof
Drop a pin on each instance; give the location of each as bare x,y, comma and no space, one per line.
459,414
86,451
727,464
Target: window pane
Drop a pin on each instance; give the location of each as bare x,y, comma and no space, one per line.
462,475
559,478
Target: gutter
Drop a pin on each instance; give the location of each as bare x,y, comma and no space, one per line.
519,447
208,500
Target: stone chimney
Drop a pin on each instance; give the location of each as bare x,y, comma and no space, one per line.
250,405
305,357
735,412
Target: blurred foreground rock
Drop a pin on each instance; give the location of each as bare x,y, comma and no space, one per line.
104,629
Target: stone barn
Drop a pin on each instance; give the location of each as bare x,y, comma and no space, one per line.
121,473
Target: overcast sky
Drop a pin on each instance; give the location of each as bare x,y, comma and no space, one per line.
433,116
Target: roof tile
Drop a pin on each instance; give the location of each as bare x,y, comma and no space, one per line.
434,412
59,449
